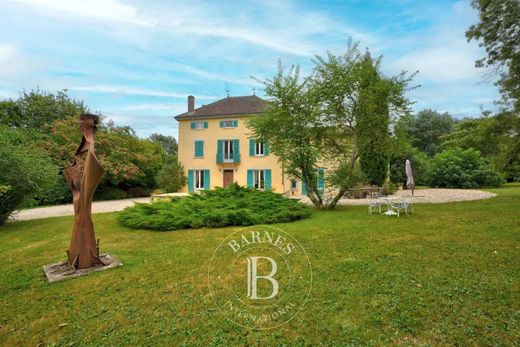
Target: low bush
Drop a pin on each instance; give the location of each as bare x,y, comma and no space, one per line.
457,168
221,207
420,166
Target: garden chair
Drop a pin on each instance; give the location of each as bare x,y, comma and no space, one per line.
400,204
375,201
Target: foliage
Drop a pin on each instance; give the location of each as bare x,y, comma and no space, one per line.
313,122
26,171
426,129
372,122
171,177
168,143
497,137
499,33
458,168
38,109
233,205
420,166
127,160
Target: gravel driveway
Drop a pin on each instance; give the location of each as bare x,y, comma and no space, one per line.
68,210
421,196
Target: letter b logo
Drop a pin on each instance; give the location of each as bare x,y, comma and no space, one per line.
253,277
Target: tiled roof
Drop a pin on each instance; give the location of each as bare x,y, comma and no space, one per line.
233,105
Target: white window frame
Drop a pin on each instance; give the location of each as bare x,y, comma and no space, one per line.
198,126
228,151
259,148
198,179
228,123
259,179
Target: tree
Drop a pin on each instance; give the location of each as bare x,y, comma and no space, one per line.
171,177
426,129
27,173
372,120
497,137
38,109
312,123
499,33
168,143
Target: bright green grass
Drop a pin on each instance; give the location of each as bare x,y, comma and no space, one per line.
450,274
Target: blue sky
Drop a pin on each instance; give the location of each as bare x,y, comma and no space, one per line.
136,61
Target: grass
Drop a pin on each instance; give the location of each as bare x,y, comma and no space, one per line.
449,274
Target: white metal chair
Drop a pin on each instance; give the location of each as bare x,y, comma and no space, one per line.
400,204
375,202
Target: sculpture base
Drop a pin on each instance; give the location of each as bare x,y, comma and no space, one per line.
61,271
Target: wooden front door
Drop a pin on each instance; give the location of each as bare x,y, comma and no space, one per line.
228,177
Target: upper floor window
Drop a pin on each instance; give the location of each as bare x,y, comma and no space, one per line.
199,125
229,123
259,148
229,150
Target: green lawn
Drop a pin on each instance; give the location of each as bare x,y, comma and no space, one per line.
450,274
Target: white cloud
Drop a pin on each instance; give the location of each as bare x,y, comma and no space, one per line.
111,89
112,10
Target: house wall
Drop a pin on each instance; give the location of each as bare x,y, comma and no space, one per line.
210,136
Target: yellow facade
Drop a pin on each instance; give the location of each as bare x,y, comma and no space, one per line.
210,137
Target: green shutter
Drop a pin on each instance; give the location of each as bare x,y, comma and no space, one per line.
206,179
267,179
205,125
236,151
321,180
235,123
304,188
252,143
250,178
199,148
266,148
190,180
220,155
192,125
221,123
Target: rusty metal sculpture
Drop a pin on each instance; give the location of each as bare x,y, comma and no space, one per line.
83,178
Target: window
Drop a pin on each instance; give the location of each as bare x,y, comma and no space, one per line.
228,151
199,125
199,179
293,184
259,148
228,123
259,179
199,149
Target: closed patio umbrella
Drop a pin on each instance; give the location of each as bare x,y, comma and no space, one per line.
409,176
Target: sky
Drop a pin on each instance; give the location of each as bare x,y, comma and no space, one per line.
136,61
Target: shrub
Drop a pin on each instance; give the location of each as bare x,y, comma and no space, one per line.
234,205
457,168
420,166
171,177
26,174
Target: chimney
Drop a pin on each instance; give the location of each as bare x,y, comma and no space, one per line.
191,103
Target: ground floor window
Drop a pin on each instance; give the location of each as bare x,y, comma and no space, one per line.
199,179
293,184
259,179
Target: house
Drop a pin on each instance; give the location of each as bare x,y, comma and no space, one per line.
216,148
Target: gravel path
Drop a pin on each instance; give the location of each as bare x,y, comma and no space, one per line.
428,196
421,196
68,210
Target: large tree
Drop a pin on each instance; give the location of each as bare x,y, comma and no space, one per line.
426,129
168,143
313,122
38,109
499,33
